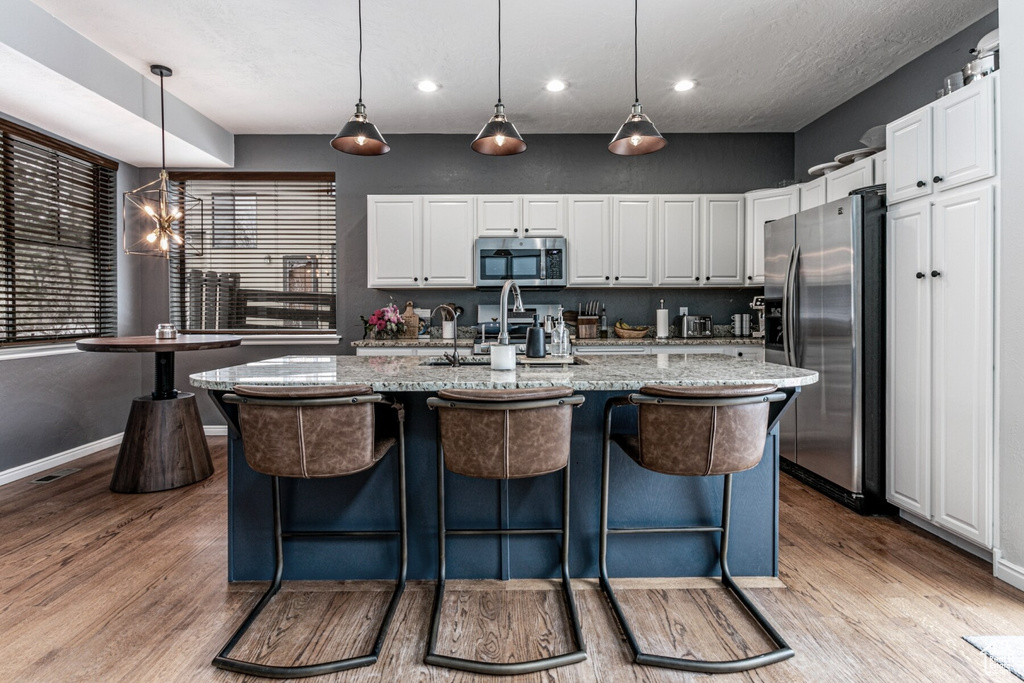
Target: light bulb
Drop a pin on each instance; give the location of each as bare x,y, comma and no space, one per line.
151,237
177,238
163,243
499,140
149,210
177,214
683,86
427,86
555,86
361,140
635,140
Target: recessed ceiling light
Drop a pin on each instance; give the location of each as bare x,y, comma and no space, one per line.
427,86
683,86
556,86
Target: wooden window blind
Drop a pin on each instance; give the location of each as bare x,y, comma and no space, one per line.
58,232
268,257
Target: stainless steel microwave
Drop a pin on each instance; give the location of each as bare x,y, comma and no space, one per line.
531,262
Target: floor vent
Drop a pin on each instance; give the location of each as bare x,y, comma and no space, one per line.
53,476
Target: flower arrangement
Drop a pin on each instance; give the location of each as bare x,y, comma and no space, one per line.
384,323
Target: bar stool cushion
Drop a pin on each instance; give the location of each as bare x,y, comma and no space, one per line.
505,444
698,440
310,442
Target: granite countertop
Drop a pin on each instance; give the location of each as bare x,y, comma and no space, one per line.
611,341
597,373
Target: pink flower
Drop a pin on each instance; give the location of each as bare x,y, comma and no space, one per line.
381,324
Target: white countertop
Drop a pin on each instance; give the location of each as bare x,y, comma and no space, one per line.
598,373
611,341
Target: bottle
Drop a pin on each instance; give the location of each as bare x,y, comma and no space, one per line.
560,337
604,323
535,340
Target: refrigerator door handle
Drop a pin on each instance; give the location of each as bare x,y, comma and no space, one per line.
786,329
791,323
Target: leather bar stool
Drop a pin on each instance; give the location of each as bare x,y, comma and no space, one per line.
693,432
311,433
504,434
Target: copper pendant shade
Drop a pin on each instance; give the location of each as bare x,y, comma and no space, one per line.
637,135
359,136
499,137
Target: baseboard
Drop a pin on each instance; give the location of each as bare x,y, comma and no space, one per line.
1007,571
36,466
947,536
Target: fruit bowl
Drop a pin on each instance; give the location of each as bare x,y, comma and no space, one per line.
633,333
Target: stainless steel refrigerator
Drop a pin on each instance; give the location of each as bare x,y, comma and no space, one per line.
824,293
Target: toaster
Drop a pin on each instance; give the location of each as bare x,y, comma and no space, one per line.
694,326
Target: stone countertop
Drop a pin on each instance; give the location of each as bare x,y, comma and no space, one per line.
611,341
597,373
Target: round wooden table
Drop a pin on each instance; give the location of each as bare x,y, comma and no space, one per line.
164,446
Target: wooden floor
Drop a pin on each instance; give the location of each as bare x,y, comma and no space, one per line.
97,586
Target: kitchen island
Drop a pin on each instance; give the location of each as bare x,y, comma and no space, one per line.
641,497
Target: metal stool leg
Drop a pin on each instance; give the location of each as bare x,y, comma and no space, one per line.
222,661
782,651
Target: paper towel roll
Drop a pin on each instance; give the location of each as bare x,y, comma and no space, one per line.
662,323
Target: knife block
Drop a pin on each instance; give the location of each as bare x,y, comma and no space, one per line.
586,327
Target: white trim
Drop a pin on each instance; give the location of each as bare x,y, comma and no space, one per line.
37,466
290,339
1007,571
37,351
947,536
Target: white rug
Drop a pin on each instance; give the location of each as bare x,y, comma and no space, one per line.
1007,650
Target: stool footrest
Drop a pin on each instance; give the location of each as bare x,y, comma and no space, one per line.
500,532
323,534
664,530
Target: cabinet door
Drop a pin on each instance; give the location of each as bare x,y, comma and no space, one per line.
842,181
723,237
909,143
633,240
589,240
449,227
497,215
881,161
812,194
543,215
679,240
962,331
908,365
393,245
965,140
762,206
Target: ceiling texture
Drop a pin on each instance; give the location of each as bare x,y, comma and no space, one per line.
290,66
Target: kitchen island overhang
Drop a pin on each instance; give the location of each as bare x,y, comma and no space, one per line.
365,500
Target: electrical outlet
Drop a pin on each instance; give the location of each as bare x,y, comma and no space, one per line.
684,310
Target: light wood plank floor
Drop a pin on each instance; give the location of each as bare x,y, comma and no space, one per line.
97,586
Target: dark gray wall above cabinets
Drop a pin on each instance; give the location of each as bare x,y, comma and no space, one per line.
907,89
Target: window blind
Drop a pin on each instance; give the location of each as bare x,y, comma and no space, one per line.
268,254
58,258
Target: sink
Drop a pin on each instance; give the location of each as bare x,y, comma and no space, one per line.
532,363
464,360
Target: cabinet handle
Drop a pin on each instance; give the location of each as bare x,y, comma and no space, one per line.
608,278
739,353
921,183
696,279
415,279
707,278
937,179
921,276
936,273
616,278
750,277
515,229
425,279
526,230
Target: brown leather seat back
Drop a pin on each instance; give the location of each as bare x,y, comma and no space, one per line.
505,444
308,441
702,440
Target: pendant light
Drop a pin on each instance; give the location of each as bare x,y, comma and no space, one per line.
358,135
155,223
637,135
499,137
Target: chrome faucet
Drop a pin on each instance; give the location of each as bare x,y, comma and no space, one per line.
452,357
517,307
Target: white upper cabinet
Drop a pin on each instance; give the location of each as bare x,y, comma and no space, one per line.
723,240
449,226
633,240
881,161
965,141
812,194
946,144
393,241
842,181
763,206
543,215
589,239
498,215
679,228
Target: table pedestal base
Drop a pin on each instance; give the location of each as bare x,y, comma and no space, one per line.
164,446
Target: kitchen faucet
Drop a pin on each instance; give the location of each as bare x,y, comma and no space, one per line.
517,307
452,357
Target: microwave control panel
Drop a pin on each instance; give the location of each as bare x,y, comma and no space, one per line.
554,264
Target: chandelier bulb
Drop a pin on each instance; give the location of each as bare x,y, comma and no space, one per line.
163,243
151,237
499,140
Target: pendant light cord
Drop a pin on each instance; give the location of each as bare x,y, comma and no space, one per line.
360,51
499,51
636,50
163,131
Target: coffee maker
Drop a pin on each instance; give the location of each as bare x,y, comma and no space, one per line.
758,305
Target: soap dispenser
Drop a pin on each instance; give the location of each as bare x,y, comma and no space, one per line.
535,340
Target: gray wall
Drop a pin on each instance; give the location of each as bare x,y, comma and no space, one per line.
909,88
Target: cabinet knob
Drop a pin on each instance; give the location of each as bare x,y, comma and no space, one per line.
921,183
608,278
707,278
750,277
936,273
425,279
937,179
739,353
696,279
921,276
415,279
515,229
616,278
526,230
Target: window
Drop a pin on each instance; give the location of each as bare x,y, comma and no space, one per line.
58,258
268,254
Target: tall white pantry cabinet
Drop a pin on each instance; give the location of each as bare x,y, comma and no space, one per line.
943,194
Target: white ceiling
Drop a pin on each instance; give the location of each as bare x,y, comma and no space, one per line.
289,66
